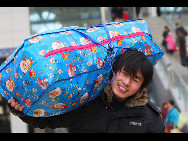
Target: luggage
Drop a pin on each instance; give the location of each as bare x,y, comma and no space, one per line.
58,71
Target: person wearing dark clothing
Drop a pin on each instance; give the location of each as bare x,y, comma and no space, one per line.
181,42
138,11
121,107
117,13
165,34
158,11
181,29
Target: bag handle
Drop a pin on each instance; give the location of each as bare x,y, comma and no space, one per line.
109,49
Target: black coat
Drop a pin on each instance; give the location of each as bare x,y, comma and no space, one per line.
103,117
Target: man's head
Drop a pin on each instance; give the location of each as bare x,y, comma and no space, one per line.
133,71
178,25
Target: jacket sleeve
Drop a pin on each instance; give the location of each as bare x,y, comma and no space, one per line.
62,120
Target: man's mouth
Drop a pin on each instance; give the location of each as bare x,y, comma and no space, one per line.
122,89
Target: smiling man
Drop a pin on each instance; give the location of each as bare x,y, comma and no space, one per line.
122,107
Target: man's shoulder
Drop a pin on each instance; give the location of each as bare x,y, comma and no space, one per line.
154,118
152,110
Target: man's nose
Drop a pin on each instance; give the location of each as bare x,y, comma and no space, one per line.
127,81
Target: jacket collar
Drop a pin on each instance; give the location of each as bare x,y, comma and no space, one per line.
138,99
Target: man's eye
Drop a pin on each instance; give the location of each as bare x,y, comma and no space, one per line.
135,80
125,73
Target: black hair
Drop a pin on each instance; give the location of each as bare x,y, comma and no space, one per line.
171,102
131,61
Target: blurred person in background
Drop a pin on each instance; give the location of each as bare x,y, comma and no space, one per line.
117,13
164,110
125,15
172,116
181,29
138,12
181,43
170,43
165,34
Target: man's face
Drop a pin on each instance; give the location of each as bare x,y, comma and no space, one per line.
125,85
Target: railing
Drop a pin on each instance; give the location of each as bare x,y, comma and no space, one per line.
173,81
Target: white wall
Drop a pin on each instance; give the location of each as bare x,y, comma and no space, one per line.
17,125
14,26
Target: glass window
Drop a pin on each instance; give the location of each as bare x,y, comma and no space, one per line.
48,18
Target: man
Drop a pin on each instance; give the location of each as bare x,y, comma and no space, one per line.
181,29
181,42
122,107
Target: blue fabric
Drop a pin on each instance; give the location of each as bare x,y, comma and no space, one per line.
60,70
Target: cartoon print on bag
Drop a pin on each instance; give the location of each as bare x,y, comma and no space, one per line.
89,63
65,57
118,25
84,41
93,50
27,102
39,112
58,45
56,92
32,73
148,51
8,70
91,29
113,33
60,71
99,63
66,32
17,94
59,106
136,29
83,98
15,57
71,71
54,61
41,52
35,39
99,38
25,82
25,64
97,82
34,90
78,92
43,83
10,84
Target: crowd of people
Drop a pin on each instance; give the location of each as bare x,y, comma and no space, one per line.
171,45
175,120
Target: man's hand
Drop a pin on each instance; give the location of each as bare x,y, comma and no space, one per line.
15,104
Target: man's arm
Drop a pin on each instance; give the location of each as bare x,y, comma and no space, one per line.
62,120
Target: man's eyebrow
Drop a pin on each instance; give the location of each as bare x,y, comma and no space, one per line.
138,77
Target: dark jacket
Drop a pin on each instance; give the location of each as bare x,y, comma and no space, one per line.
105,114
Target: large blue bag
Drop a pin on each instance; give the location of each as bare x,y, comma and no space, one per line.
58,71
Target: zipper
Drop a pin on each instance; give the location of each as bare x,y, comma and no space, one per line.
91,45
